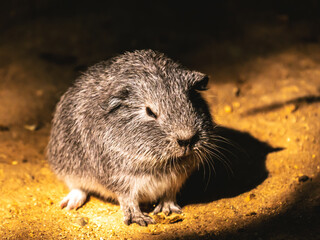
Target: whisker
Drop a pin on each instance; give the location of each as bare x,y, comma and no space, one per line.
218,138
211,150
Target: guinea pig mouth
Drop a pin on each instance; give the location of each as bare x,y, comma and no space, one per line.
185,159
184,153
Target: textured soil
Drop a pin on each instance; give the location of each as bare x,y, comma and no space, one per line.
264,68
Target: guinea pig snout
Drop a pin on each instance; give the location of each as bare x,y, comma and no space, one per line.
188,142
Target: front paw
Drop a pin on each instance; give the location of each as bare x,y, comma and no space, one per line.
74,199
143,219
167,207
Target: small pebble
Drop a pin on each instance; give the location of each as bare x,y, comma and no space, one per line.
31,127
236,91
228,109
251,214
303,178
250,197
154,231
236,104
49,202
82,221
176,218
173,218
4,128
291,108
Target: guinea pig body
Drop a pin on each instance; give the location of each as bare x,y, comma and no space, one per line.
132,128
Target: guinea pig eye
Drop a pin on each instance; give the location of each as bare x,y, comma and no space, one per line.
202,84
150,113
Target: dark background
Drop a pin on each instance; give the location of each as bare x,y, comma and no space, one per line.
174,27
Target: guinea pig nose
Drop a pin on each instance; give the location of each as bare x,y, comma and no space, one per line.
188,142
183,143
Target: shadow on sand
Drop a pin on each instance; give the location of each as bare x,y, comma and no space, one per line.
239,166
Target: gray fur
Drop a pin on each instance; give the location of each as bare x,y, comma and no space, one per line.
104,140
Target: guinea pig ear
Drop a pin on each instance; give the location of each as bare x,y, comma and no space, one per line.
201,82
115,101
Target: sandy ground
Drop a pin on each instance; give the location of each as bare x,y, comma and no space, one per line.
264,93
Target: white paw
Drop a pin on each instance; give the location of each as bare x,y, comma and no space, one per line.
74,199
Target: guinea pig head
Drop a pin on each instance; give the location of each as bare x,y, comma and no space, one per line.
157,112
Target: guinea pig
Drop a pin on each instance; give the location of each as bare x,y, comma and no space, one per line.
132,129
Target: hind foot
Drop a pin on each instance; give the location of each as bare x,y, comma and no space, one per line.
167,207
143,219
74,199
132,212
